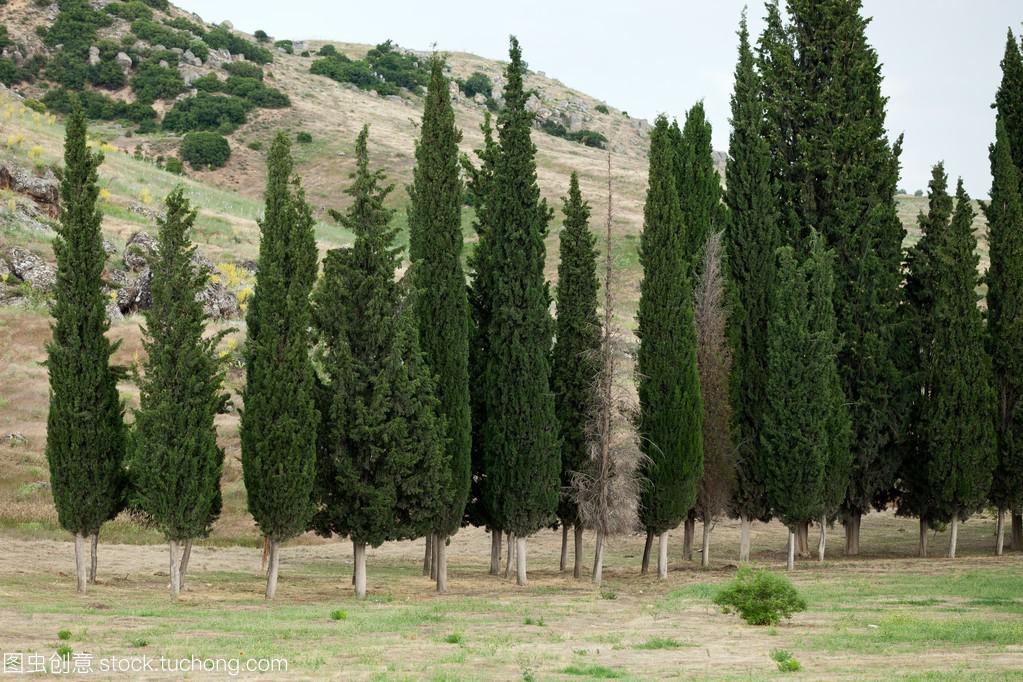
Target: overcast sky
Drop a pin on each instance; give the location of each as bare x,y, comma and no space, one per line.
940,57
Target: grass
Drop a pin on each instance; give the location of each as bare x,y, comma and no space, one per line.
598,672
660,643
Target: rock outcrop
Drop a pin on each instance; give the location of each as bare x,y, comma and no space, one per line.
44,189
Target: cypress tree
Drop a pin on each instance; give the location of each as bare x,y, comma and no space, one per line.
1005,325
521,451
177,457
383,470
699,185
751,241
435,226
85,437
576,359
278,425
958,414
669,388
1009,98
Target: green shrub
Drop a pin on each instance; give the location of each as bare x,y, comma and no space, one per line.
244,69
477,84
35,105
255,92
64,635
328,50
162,5
183,24
397,68
206,112
339,614
305,53
455,638
286,45
199,49
139,643
158,34
98,106
130,11
590,138
220,38
760,597
174,165
205,150
602,108
303,137
75,26
255,146
384,69
786,663
64,651
261,36
107,74
152,82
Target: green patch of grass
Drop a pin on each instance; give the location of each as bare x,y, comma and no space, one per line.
64,651
608,593
786,662
339,614
455,638
660,643
138,643
529,620
64,635
598,672
909,632
677,598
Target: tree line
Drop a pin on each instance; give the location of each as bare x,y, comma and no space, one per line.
793,360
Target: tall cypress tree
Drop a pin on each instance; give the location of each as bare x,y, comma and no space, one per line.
177,458
435,226
522,450
669,387
85,437
751,241
1005,324
382,469
699,185
958,413
576,351
1009,98
842,182
278,425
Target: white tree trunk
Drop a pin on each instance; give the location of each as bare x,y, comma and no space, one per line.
428,555
272,568
520,561
80,573
646,553
662,555
953,537
93,559
495,552
598,558
922,544
744,541
824,538
360,569
186,554
564,546
1000,532
435,538
440,560
511,555
577,571
175,570
705,557
791,565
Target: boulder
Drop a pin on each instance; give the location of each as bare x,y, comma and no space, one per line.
188,57
189,73
43,189
218,302
109,248
533,103
11,295
123,60
28,267
479,98
141,247
137,295
94,56
227,24
114,313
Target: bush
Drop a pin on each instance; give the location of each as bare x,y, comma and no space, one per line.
205,150
206,112
183,24
286,45
305,53
339,614
786,662
75,26
244,69
220,38
261,36
303,137
130,11
328,50
760,597
255,91
107,74
602,108
158,34
255,146
64,635
152,82
199,49
98,106
590,138
162,5
174,165
477,83
397,68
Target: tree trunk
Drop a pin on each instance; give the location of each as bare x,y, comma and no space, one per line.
824,538
268,551
511,555
802,539
440,560
434,539
93,559
360,569
1000,532
1017,531
687,538
577,571
564,546
953,536
80,562
852,534
646,553
271,571
791,565
186,554
520,561
266,554
428,555
598,558
922,544
745,524
662,555
495,552
175,569
705,555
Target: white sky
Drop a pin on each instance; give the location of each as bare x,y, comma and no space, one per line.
940,57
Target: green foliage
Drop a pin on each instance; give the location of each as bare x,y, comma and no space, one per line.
303,137
380,457
75,26
522,450
656,643
590,138
261,36
98,106
138,643
85,433
699,185
441,306
205,150
156,33
477,83
279,424
385,69
575,358
162,5
220,38
174,165
65,652
402,69
339,614
244,69
152,82
529,620
671,411
63,635
1009,98
130,11
455,638
760,597
200,50
599,672
786,662
206,112
183,24
177,464
285,45
327,50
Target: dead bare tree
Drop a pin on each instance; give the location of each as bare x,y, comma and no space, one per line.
607,490
714,360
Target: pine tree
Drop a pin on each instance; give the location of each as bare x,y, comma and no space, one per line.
435,227
1009,99
1005,324
958,414
751,240
669,388
178,462
382,468
278,425
576,351
521,450
699,186
85,438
